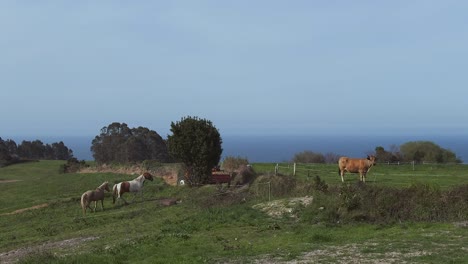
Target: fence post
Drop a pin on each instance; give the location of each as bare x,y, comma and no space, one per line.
276,169
294,169
413,164
269,191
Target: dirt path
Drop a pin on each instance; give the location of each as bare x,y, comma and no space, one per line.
7,181
348,254
15,255
26,209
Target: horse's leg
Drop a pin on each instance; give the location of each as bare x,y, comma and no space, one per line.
88,205
95,205
121,197
102,204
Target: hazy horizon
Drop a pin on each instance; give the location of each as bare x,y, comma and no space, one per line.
278,148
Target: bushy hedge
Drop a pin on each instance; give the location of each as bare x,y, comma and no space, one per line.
380,204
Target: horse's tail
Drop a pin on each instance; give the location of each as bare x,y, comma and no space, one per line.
114,193
84,198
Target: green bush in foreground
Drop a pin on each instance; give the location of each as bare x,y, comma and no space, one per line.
381,204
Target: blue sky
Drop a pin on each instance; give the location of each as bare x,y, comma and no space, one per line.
251,67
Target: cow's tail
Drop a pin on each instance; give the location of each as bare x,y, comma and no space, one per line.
114,193
84,198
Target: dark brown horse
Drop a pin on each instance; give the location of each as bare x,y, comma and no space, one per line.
95,196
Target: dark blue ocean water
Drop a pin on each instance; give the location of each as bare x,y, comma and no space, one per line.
283,148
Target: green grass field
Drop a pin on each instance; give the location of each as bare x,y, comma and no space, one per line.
382,174
208,228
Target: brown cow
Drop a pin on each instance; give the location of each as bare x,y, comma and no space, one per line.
361,166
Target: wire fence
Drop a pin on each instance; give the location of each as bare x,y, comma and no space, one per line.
313,168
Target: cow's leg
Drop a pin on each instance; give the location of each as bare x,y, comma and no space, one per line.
342,175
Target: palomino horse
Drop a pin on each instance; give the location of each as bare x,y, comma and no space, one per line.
135,186
95,196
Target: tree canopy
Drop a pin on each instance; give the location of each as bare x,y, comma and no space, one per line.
118,143
309,157
427,151
36,149
197,143
418,151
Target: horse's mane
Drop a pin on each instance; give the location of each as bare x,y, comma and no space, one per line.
103,186
140,178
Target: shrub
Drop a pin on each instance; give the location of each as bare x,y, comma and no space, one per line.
243,175
274,185
374,204
309,157
197,143
72,165
232,164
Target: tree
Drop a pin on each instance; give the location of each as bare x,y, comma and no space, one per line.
231,163
37,150
4,153
31,149
60,151
153,144
309,157
197,143
118,143
428,151
331,157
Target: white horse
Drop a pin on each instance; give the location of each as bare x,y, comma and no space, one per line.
135,186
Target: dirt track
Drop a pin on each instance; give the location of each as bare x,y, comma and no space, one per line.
7,181
17,254
26,209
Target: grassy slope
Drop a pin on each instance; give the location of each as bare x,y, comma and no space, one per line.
146,232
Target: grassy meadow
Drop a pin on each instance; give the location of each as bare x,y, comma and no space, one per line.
216,225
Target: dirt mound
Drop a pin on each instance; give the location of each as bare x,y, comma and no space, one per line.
280,208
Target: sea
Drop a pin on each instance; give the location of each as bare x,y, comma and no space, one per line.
281,148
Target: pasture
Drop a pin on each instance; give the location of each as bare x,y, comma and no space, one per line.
41,222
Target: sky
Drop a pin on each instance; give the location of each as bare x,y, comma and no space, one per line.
69,68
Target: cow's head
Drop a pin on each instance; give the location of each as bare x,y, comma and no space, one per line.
371,160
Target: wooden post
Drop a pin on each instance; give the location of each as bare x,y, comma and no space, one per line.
276,169
294,169
269,191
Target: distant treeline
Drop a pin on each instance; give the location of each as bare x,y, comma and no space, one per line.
10,152
417,151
